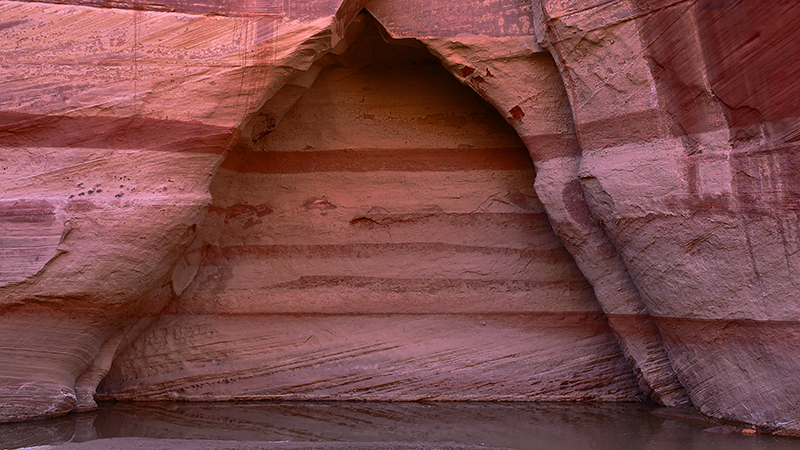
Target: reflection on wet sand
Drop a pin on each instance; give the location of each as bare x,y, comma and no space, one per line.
555,426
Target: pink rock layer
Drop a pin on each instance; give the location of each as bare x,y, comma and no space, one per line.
552,357
691,168
358,186
406,259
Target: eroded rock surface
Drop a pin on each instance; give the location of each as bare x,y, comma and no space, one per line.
689,164
112,122
384,242
325,218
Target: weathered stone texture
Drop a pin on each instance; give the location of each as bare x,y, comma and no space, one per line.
112,122
384,242
549,135
523,82
301,198
692,184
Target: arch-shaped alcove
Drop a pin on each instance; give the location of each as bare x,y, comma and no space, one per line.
383,241
105,185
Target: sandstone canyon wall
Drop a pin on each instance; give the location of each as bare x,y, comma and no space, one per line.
686,120
255,199
384,242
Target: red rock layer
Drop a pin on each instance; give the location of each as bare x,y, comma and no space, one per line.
677,195
384,242
686,118
111,125
523,82
740,353
516,356
72,256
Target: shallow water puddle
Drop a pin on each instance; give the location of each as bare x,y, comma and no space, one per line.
552,426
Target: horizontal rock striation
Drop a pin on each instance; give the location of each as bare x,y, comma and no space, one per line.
241,200
688,161
405,259
112,123
552,144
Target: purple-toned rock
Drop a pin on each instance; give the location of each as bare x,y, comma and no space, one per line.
383,242
688,160
221,200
